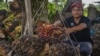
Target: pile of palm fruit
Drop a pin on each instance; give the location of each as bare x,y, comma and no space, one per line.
49,42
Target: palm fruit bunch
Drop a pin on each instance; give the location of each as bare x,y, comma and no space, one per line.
45,30
27,46
48,31
62,49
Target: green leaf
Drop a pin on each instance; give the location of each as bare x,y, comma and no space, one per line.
3,5
1,0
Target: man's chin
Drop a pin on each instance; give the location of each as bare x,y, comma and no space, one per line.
77,16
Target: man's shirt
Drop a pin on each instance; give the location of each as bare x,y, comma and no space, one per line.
80,36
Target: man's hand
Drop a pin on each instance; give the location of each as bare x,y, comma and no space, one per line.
69,30
58,24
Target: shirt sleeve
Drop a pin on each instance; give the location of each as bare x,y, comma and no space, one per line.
68,22
87,22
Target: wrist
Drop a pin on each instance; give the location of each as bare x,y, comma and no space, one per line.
73,29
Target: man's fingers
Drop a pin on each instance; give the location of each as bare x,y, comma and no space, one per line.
67,31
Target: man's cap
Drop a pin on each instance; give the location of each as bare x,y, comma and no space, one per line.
76,4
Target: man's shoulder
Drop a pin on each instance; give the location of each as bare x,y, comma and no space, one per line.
69,18
85,18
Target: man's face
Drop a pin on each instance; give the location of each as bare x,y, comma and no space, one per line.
76,12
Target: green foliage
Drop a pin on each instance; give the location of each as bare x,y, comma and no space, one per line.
53,7
1,0
85,12
3,5
51,10
61,4
98,7
17,30
8,20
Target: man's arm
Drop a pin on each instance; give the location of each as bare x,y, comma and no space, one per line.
76,28
79,27
72,29
84,24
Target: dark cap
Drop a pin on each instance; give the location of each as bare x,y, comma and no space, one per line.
76,4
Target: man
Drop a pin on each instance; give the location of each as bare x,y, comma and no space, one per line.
78,28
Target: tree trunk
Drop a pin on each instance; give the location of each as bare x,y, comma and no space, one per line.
28,27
